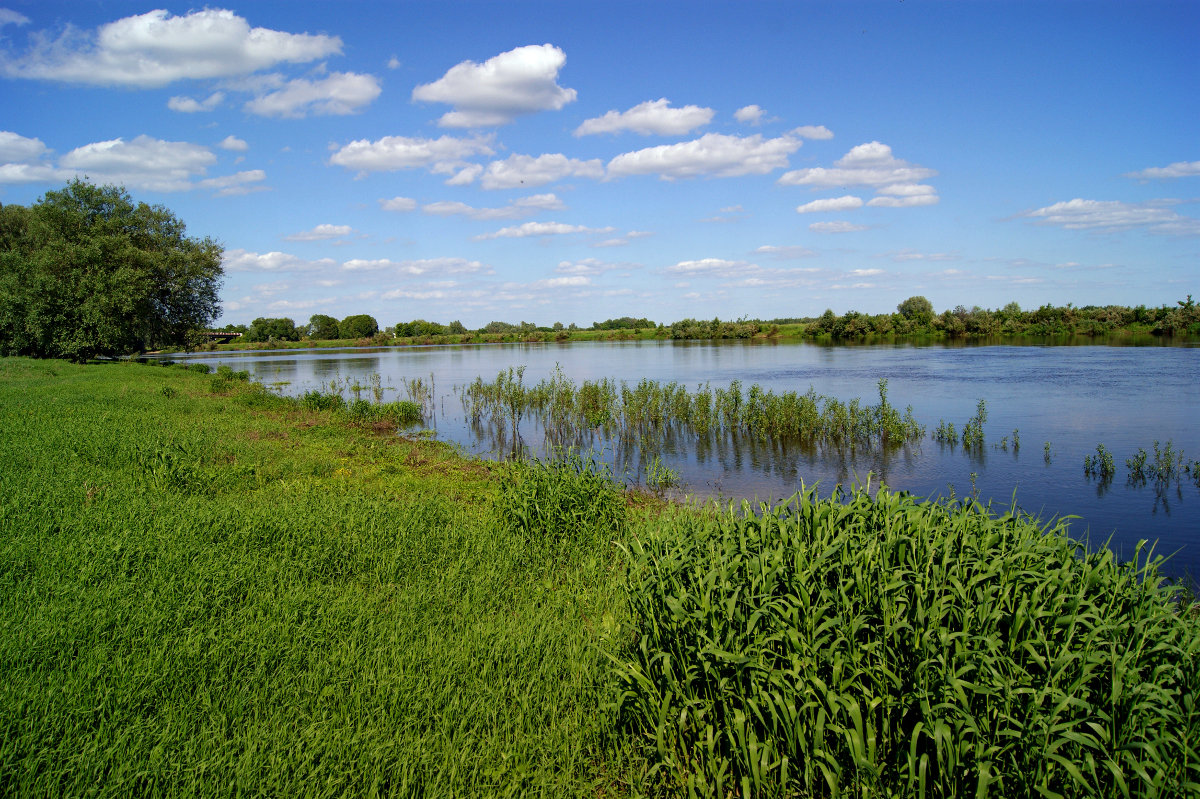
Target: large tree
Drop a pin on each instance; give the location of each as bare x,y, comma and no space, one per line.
85,272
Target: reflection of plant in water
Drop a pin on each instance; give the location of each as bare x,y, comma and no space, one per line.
660,477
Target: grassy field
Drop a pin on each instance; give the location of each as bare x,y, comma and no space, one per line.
209,594
210,590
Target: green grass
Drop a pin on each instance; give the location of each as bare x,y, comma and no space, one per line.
227,594
889,647
207,589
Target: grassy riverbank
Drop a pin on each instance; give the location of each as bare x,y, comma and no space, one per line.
209,590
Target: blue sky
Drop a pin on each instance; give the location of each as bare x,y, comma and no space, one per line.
579,161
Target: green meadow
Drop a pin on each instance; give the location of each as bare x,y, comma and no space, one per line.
210,590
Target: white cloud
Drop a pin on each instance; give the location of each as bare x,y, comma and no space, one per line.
710,267
400,152
1179,169
466,175
870,164
846,203
15,148
321,232
590,266
33,173
866,272
246,261
835,227
712,154
233,144
525,170
398,204
911,201
424,266
913,255
623,240
750,114
394,63
813,132
539,229
785,253
338,94
525,206
10,17
144,162
1112,215
651,117
188,105
567,281
236,184
520,81
156,48
907,189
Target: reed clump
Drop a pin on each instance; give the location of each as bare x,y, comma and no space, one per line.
886,646
645,411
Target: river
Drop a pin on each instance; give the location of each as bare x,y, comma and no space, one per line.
1074,397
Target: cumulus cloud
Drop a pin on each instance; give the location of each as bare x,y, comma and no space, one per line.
785,253
234,144
155,49
398,204
540,229
910,201
338,94
15,148
651,117
416,268
1112,215
813,132
520,81
870,164
189,105
236,184
564,282
835,227
246,261
401,152
622,241
1179,169
322,232
525,170
10,17
144,162
846,203
525,206
750,114
710,267
713,154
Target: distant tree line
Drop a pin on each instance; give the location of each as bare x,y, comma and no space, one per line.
914,317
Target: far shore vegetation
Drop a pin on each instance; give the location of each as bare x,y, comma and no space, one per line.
914,320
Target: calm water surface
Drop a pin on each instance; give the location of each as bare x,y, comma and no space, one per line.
1074,397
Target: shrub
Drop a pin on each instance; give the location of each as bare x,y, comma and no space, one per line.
893,647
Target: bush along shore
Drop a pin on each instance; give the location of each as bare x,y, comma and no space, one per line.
914,320
210,590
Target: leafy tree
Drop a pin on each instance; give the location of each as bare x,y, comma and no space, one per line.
272,329
85,272
322,327
916,308
456,327
358,326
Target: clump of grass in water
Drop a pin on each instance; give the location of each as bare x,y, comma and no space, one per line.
972,432
1099,465
826,647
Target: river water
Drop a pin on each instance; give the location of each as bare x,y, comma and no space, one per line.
1074,397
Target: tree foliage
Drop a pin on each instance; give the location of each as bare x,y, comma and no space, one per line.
86,272
916,308
358,326
273,329
322,327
